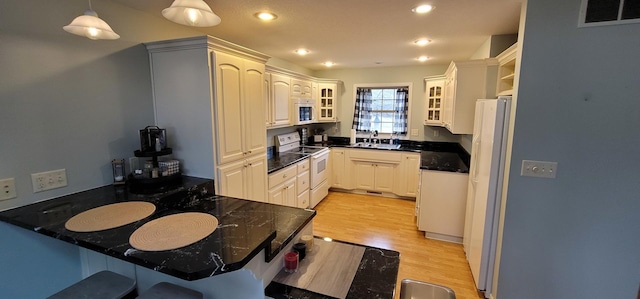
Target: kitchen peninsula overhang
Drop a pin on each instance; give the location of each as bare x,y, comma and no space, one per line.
245,227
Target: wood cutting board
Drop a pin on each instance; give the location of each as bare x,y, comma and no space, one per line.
329,269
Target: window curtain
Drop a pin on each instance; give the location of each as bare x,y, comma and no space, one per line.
401,113
361,113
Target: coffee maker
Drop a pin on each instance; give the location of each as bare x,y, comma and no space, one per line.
153,139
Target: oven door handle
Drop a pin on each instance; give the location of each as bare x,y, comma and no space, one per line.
319,154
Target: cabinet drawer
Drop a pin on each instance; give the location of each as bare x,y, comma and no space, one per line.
302,182
303,200
280,176
375,155
303,166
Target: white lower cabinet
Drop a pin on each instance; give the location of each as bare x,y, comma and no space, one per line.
339,168
375,170
284,194
290,186
303,199
441,205
408,175
244,179
303,184
374,176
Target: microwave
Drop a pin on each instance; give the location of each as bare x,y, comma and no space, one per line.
303,111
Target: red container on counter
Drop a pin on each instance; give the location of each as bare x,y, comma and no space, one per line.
291,262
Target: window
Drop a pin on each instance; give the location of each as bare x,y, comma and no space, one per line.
384,109
609,12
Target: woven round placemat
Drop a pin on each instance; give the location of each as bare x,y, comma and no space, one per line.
173,231
110,216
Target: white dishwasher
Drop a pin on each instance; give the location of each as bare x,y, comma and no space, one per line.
441,204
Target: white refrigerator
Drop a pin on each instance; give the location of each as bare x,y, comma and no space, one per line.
485,188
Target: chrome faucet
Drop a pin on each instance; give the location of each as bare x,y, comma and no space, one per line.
375,134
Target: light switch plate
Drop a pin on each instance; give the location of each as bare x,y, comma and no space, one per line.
539,169
7,189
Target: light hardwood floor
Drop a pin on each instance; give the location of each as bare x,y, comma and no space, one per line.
390,223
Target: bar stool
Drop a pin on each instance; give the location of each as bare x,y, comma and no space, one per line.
101,285
165,290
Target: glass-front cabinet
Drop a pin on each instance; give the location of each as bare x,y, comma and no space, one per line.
434,100
326,105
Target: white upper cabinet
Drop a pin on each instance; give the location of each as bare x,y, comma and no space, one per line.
465,82
506,70
301,88
209,94
326,103
268,109
434,101
239,103
280,100
254,106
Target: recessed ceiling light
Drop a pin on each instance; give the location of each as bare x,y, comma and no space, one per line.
422,58
421,42
266,16
302,52
329,64
423,8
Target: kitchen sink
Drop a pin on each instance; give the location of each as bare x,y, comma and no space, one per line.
376,145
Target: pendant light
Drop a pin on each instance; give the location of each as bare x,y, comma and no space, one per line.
191,13
90,26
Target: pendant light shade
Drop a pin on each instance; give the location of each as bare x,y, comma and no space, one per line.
191,13
90,26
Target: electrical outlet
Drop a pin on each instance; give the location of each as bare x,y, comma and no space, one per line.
539,169
7,189
48,180
436,133
414,132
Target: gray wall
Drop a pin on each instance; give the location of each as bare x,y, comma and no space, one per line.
576,236
414,74
66,102
69,102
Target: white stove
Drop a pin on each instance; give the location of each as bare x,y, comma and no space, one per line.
290,143
287,142
319,158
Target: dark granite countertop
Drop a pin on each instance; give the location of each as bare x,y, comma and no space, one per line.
442,161
283,160
441,156
245,227
375,278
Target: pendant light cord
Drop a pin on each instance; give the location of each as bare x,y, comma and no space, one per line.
90,8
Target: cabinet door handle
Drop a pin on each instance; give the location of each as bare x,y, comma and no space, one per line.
284,176
249,152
